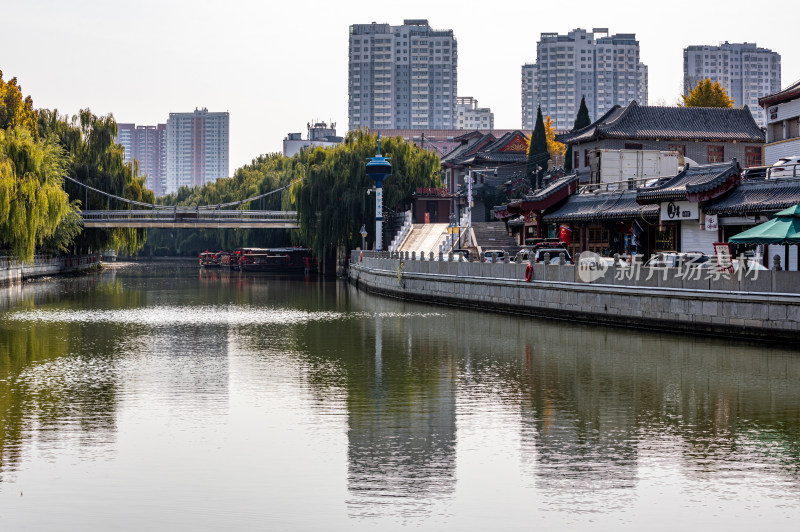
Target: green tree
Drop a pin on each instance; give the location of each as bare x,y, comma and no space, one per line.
32,200
537,153
264,174
331,200
14,109
97,160
581,121
707,93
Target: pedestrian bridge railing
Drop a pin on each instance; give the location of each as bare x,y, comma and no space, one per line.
191,217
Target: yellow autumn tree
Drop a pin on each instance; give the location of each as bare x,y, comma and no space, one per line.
555,149
707,93
15,110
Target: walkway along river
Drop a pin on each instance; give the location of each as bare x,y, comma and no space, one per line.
160,397
764,306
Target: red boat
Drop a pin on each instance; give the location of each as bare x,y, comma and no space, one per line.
209,259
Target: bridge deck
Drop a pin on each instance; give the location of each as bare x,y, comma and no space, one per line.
191,218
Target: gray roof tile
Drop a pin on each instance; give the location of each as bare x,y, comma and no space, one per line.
758,196
679,123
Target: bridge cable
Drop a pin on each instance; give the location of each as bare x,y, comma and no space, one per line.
204,207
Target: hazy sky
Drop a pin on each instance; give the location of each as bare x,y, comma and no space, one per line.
277,65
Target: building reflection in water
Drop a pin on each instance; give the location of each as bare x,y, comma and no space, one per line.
584,414
595,406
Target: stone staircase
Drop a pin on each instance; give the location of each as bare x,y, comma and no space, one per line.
493,235
424,238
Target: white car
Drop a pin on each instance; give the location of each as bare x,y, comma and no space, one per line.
786,167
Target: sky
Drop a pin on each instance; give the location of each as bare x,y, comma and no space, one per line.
276,66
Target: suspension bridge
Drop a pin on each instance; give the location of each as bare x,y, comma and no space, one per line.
219,216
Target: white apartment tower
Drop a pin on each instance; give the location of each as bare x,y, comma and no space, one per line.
148,146
470,116
197,148
402,77
603,68
746,71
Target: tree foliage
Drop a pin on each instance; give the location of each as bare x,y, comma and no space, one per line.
96,160
32,200
554,148
581,121
15,111
329,192
707,93
332,202
264,174
538,155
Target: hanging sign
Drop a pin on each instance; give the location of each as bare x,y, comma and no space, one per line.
680,210
712,223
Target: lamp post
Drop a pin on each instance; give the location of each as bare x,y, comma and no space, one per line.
379,168
363,236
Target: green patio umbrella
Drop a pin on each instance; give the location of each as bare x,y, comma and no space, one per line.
783,229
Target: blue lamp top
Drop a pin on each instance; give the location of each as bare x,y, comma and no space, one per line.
379,167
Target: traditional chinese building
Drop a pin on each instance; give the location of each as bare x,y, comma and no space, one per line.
703,134
681,199
750,203
490,161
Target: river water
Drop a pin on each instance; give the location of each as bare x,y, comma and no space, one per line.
160,397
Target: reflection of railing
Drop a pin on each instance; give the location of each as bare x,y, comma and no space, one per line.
197,217
401,235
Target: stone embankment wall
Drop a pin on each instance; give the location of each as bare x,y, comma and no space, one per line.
12,271
767,306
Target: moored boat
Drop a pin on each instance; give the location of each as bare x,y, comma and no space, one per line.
209,259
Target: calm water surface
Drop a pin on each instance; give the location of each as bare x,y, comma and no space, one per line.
163,398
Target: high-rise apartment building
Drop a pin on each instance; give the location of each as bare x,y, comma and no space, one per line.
604,69
470,116
197,148
148,146
402,77
746,71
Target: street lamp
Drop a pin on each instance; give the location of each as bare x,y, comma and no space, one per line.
379,168
363,236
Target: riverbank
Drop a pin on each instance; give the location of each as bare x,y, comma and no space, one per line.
13,271
765,308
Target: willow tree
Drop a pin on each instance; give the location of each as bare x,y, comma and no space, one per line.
266,174
332,202
32,200
97,160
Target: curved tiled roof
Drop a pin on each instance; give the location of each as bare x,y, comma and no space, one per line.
693,180
602,206
758,196
544,193
792,92
635,122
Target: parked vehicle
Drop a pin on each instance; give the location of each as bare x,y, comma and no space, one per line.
523,255
554,251
463,252
674,259
786,167
498,254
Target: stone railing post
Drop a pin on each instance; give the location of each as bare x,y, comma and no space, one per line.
413,255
